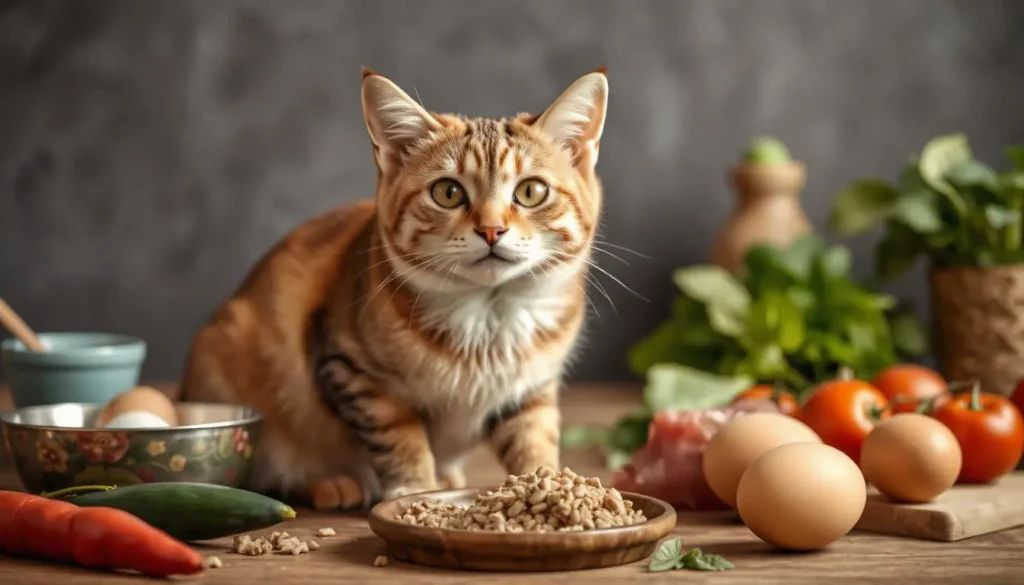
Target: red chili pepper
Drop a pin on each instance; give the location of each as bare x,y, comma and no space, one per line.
98,538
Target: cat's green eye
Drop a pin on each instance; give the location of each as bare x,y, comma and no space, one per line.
448,193
531,192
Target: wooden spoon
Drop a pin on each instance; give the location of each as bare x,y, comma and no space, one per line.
13,323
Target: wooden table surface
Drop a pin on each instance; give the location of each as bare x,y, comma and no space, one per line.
348,557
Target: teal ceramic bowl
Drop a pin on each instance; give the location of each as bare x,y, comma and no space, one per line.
78,367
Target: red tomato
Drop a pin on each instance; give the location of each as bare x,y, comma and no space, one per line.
907,385
843,412
786,402
990,431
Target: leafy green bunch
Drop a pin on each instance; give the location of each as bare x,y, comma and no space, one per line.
944,205
794,316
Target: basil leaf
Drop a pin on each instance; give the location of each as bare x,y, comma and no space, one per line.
713,563
1013,180
713,285
861,205
617,459
1000,217
666,556
918,211
835,262
896,253
940,156
629,433
972,173
690,559
678,387
582,437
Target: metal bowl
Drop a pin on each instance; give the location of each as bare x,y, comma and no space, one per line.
58,446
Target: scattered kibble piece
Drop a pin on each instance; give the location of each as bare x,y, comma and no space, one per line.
280,542
380,561
322,532
214,562
544,501
313,545
245,545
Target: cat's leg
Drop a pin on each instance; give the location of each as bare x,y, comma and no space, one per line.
392,434
453,475
338,492
525,436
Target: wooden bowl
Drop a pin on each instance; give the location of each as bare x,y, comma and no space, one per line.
518,551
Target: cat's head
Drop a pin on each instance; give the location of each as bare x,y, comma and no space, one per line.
481,202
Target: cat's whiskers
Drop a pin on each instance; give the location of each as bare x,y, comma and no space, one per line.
420,293
586,297
396,273
413,255
408,274
623,248
602,250
602,270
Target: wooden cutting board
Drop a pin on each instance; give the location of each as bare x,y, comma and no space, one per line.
961,512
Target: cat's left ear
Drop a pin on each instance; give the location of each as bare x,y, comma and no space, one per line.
394,120
576,119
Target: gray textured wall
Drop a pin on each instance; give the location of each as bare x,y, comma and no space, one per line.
150,151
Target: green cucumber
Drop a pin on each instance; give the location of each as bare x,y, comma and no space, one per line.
186,511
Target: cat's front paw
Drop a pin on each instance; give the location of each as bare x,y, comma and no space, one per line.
453,479
407,490
340,492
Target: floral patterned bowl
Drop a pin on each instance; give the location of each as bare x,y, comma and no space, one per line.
56,446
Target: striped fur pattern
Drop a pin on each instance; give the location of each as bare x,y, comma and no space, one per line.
385,339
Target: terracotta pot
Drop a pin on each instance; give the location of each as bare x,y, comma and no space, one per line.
978,316
768,211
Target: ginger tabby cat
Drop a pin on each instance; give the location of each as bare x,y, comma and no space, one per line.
385,339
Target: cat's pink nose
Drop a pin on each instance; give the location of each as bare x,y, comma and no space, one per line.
491,233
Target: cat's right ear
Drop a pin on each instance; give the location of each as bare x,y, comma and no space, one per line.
394,120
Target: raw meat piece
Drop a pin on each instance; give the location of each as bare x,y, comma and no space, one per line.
669,466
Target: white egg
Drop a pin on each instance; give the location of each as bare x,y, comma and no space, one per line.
137,420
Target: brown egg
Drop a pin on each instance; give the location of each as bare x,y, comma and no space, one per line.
743,440
137,407
801,496
911,458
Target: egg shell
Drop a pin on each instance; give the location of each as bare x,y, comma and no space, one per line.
911,458
741,441
801,496
139,399
136,420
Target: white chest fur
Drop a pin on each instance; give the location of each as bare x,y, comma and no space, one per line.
496,334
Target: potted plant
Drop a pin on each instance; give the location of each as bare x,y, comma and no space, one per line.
965,219
767,182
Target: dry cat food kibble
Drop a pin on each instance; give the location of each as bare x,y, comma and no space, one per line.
536,502
280,542
325,532
380,561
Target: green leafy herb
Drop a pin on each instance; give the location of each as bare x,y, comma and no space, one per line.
677,387
946,206
793,317
671,556
667,556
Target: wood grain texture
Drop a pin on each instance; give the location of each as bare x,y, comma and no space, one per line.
993,559
519,552
962,512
